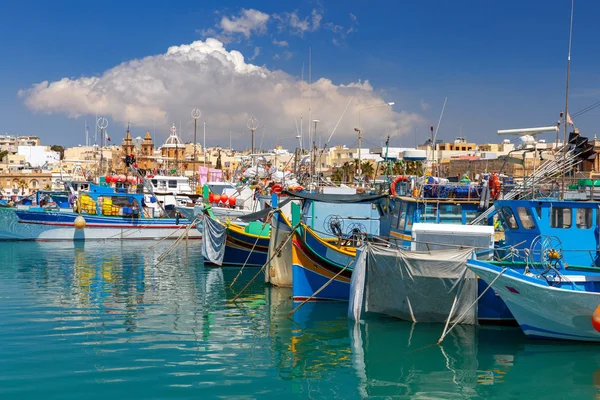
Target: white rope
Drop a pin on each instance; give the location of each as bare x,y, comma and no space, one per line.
258,237
275,253
446,332
319,289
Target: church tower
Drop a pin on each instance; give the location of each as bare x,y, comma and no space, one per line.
127,145
146,158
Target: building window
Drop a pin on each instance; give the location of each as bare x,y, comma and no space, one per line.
526,218
561,217
583,218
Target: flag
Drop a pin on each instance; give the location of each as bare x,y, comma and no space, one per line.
569,120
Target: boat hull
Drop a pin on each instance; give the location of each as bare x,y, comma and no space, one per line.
242,249
314,263
279,270
311,271
53,226
543,311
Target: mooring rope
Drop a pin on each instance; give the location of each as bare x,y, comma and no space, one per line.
319,289
275,253
446,332
258,237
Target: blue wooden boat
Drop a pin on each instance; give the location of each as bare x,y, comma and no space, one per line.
325,243
98,214
573,222
245,244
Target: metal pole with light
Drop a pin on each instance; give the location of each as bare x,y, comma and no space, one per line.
432,150
252,125
195,115
204,142
359,130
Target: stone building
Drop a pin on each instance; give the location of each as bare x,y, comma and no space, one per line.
173,151
146,159
24,183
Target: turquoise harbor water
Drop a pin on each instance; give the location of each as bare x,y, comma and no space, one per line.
102,321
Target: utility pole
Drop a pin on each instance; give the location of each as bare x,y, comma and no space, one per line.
252,125
195,115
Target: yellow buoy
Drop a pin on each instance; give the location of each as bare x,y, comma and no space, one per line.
79,222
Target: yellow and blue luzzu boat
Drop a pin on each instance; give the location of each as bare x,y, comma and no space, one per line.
245,245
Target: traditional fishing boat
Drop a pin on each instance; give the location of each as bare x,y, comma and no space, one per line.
573,222
324,245
100,213
233,243
279,269
557,303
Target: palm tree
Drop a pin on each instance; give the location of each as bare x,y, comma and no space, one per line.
367,170
414,168
398,168
22,186
337,175
348,172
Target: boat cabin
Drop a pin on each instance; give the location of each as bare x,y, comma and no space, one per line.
574,223
100,200
334,219
170,184
407,211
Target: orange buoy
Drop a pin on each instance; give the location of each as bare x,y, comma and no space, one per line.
398,179
79,222
596,319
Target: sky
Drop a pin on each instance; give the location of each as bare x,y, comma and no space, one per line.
501,65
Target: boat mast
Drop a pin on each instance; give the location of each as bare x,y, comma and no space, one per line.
567,118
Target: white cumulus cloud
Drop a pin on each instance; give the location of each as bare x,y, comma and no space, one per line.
248,22
280,43
297,25
163,88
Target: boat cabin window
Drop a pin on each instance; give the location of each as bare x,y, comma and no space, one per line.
538,211
430,212
154,182
401,210
450,214
470,216
172,183
526,218
509,218
410,212
583,218
561,217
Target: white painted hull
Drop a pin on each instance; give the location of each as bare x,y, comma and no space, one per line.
11,228
543,311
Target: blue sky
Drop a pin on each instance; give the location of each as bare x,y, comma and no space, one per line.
501,64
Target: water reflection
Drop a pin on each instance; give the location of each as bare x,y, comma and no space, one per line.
110,314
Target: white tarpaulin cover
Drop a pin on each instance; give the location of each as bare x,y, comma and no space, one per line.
214,235
415,286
